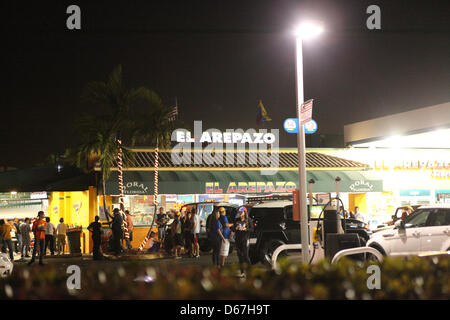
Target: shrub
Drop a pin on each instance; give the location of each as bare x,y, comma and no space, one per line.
409,278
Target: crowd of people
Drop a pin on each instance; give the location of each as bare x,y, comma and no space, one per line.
182,234
20,235
178,234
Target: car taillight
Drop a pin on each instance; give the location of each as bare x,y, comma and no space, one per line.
366,226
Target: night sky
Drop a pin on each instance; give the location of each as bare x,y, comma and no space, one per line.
218,58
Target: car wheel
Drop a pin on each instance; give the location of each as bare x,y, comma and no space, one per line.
269,248
371,257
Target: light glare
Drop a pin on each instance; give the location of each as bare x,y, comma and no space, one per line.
308,30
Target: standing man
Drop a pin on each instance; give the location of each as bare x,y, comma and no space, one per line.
96,229
358,214
161,220
117,233
25,230
18,235
5,231
225,246
177,236
61,230
38,229
216,237
130,229
50,236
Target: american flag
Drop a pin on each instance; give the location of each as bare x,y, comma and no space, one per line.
173,114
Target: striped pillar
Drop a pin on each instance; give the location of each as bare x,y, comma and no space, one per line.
155,193
121,189
155,198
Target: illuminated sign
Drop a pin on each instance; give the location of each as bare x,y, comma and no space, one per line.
251,187
291,126
38,195
440,169
412,165
227,137
361,186
134,187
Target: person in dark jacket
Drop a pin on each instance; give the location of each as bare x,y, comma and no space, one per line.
96,229
243,226
116,228
216,237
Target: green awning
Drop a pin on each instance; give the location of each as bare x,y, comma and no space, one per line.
241,181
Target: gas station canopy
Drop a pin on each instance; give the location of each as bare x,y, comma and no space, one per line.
421,128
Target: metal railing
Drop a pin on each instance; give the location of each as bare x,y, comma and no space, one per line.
347,252
336,257
282,248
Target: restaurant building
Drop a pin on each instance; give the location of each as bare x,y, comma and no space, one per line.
408,151
245,176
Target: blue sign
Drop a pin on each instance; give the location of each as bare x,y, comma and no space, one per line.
291,126
310,127
415,193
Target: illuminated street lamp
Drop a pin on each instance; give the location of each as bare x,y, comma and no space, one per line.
305,31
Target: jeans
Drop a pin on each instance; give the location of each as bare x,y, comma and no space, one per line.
8,243
25,247
117,239
128,241
161,233
242,252
41,244
96,247
50,240
19,243
216,243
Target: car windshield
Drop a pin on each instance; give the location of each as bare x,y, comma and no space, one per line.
418,218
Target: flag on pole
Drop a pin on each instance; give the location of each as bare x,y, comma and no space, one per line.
173,114
262,115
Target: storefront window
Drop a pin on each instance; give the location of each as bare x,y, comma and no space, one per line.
443,196
142,209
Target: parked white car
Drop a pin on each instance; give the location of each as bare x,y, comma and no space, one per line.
6,266
425,230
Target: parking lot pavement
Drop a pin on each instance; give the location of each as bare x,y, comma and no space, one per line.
152,259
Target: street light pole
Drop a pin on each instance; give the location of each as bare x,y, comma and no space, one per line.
304,223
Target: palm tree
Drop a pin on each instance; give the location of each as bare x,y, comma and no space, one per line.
103,134
124,117
98,144
155,127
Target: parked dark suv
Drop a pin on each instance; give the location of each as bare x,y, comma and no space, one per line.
274,226
204,209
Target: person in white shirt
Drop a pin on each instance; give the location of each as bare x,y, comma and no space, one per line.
358,214
25,229
49,236
61,230
196,246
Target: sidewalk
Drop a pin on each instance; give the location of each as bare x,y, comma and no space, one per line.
123,257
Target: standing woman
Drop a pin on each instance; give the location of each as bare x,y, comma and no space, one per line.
242,226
